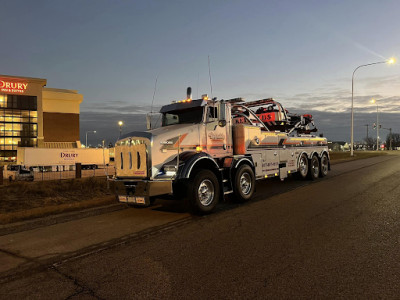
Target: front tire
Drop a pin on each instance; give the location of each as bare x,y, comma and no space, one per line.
203,192
244,184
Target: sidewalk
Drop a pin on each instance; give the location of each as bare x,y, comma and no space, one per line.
72,234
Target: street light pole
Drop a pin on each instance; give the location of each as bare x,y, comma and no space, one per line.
377,127
120,123
352,104
389,61
90,131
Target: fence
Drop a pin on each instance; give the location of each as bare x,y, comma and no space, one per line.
60,172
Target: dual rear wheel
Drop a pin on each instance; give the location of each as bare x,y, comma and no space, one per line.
314,167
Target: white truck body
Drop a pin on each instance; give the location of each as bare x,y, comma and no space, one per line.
28,156
206,149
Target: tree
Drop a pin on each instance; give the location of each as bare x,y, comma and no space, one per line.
371,142
395,140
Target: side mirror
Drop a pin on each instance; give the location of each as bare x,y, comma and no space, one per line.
222,123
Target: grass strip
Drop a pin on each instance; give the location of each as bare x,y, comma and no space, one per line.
10,217
339,157
26,200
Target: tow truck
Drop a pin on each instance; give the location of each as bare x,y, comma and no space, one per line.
207,149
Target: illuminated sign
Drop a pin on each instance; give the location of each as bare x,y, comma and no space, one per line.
12,87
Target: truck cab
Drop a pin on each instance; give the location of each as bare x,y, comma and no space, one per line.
155,162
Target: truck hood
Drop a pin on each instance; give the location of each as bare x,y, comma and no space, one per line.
165,140
172,130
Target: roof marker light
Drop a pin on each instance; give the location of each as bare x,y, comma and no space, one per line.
205,97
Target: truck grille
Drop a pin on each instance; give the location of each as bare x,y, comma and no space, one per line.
131,159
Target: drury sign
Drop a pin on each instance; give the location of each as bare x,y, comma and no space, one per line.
68,155
13,87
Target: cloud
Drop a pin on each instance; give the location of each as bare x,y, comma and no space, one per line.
119,107
333,125
333,98
329,104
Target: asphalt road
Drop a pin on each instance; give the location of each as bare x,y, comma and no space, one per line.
338,237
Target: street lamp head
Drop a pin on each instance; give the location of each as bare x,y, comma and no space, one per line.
120,123
391,61
372,101
94,131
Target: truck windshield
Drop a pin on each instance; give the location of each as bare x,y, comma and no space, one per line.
187,116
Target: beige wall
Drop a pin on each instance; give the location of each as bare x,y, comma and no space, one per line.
61,101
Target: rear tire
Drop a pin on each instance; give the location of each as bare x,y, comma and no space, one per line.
314,168
244,184
324,167
303,166
203,192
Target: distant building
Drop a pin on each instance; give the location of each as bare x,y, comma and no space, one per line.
32,115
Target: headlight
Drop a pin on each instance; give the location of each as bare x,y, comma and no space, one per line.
170,170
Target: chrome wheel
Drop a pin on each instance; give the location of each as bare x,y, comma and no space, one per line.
202,192
206,192
314,167
245,183
324,165
303,166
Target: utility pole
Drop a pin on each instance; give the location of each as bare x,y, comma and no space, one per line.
367,134
390,137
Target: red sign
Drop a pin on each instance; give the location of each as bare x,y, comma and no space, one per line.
12,87
267,117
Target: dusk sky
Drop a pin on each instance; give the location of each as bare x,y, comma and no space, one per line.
301,53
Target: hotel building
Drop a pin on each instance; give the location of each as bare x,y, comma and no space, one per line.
32,115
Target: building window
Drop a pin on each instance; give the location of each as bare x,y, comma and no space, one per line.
18,124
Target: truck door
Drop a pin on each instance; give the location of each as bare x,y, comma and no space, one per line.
218,138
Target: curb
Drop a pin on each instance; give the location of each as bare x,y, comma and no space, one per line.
59,218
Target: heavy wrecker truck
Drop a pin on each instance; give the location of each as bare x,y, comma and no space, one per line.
207,148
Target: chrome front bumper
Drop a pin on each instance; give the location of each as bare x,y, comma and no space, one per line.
139,192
